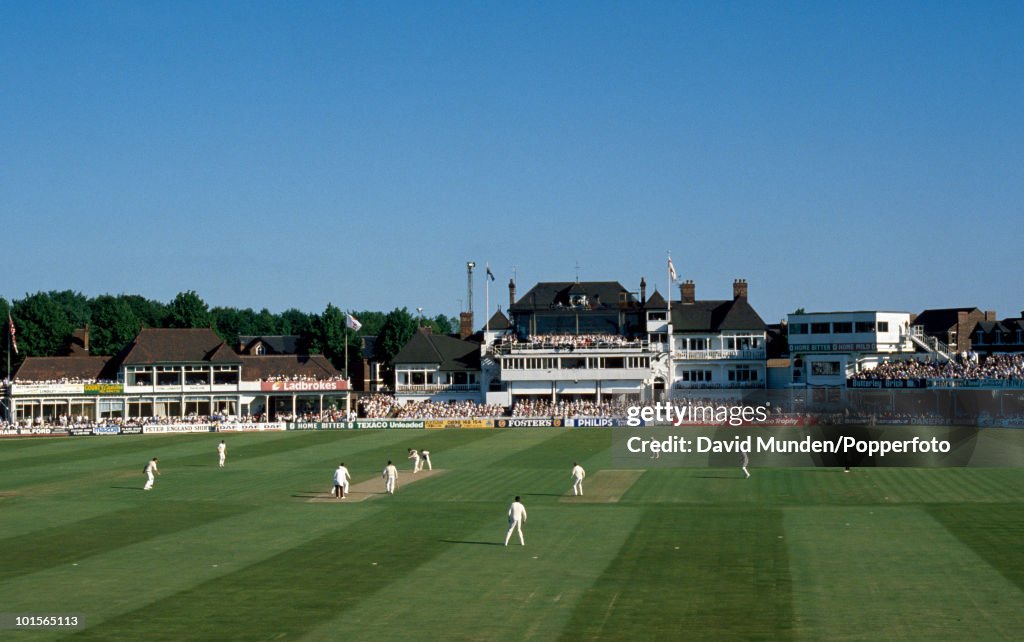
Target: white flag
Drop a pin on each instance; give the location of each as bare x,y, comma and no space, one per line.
352,322
672,270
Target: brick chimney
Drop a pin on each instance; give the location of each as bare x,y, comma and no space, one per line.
465,324
643,290
990,315
85,337
739,289
688,291
511,293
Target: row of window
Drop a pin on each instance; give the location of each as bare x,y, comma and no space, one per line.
838,327
728,343
424,378
997,338
739,373
575,363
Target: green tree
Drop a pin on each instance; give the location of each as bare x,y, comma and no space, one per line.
150,314
42,325
398,328
295,322
5,310
330,336
187,310
113,325
442,324
231,323
372,321
75,305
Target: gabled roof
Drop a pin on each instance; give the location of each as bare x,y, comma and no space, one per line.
266,366
178,345
715,316
559,295
449,353
990,326
276,344
499,322
941,319
54,368
656,301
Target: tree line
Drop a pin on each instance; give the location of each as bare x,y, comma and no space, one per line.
45,322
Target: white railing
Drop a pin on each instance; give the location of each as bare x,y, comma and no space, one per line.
929,343
597,346
437,387
749,353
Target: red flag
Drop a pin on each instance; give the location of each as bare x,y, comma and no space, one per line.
10,327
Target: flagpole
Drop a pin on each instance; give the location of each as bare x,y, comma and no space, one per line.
487,299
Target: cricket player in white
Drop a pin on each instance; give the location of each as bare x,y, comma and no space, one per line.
516,517
425,454
744,462
577,479
341,480
415,457
222,452
151,469
390,476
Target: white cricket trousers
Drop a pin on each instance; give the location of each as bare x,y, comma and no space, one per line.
515,524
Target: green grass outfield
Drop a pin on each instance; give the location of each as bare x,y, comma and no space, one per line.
242,552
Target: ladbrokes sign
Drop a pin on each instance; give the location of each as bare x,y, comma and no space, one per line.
303,386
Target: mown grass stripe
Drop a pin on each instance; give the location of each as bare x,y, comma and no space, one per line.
993,532
889,572
50,547
287,594
693,573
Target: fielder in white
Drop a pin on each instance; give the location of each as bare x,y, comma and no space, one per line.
222,452
744,462
341,480
577,479
425,454
150,470
516,517
415,457
390,476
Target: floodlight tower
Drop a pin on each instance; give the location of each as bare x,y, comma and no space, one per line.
469,285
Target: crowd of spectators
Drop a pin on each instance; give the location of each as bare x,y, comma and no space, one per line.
966,365
573,341
376,406
576,408
448,410
62,380
303,377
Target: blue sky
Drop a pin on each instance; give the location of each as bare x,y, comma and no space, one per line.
837,155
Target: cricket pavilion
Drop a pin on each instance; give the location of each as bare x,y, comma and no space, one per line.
172,374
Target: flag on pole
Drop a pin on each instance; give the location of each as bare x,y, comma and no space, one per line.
490,274
672,270
352,322
14,338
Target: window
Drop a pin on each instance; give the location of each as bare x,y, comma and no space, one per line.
865,326
820,328
842,327
825,368
798,328
656,316
883,326
742,374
